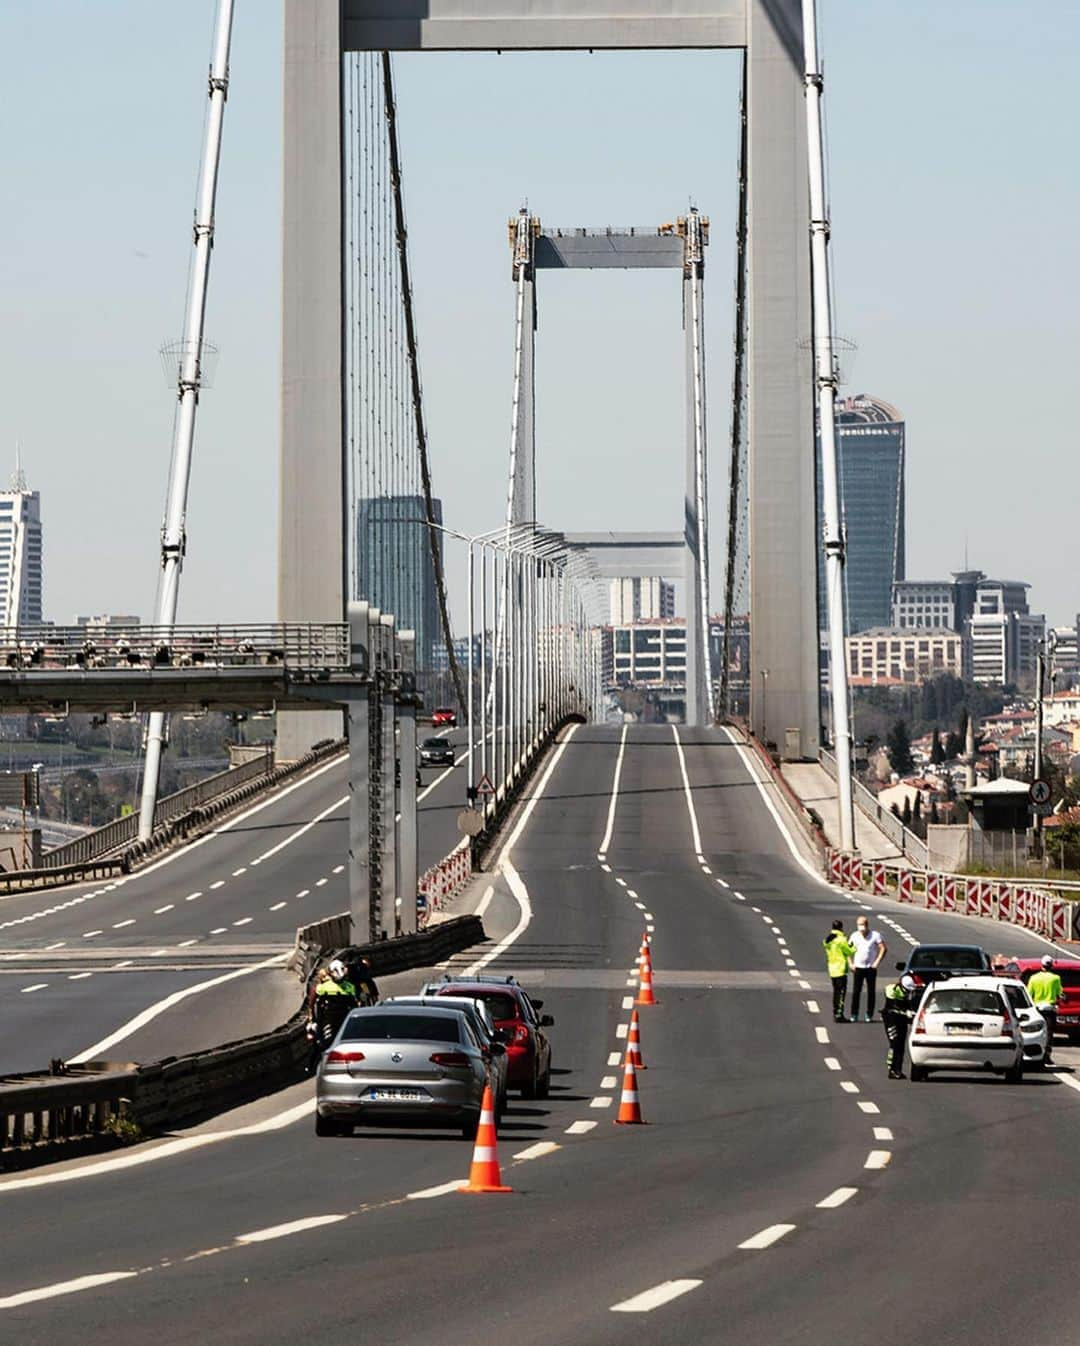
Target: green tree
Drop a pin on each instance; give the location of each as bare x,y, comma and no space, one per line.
899,746
937,752
905,816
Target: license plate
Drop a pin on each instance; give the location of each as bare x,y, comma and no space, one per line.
969,1029
395,1095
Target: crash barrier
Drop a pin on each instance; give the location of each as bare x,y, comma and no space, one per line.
13,881
443,880
1034,906
903,838
42,1113
175,816
424,949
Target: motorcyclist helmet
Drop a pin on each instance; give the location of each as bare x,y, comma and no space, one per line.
337,969
1047,960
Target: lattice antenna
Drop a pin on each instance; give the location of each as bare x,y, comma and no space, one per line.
17,481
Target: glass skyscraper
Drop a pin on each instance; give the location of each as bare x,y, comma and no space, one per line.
394,570
870,447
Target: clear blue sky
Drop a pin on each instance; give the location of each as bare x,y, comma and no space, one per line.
955,195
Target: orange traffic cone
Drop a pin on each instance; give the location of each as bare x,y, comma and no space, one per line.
645,992
629,1108
646,947
484,1175
633,1044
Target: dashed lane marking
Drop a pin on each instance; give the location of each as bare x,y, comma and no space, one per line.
64,1288
848,1087
648,1300
878,1159
58,945
628,1002
580,1128
192,896
614,1058
277,906
219,929
812,1006
822,1034
160,911
868,1107
237,872
89,934
186,943
37,986
600,1103
767,1237
426,1193
79,976
244,920
218,883
280,1231
621,1030
882,1133
837,1198
119,925
538,1150
608,1082
338,869
831,1063
303,892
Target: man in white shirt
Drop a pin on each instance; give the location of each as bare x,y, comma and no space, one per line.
870,949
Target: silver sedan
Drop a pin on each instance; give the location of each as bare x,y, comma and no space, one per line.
402,1064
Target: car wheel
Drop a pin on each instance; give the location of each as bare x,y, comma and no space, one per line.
529,1090
919,1074
470,1126
1014,1075
326,1126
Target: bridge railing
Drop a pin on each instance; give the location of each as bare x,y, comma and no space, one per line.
884,819
298,645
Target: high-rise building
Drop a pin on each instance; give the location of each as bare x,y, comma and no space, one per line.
20,553
641,599
394,570
1003,634
870,447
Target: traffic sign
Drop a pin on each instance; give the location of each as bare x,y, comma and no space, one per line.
1039,791
470,822
484,785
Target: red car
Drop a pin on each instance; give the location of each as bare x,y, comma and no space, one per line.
528,1050
444,716
1068,969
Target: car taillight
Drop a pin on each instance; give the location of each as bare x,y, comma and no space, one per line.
449,1059
917,979
519,1034
920,1024
1008,1028
344,1057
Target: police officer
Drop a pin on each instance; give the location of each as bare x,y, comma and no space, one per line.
332,999
838,952
897,1012
1046,991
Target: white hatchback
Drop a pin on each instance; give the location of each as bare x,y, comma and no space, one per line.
967,1023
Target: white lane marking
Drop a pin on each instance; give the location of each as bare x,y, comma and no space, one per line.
303,892
640,906
580,1128
652,1299
280,1231
723,883
295,836
237,872
338,869
159,953
79,976
186,943
631,981
538,1150
126,962
790,962
119,925
882,1133
630,893
606,868
150,1153
485,901
160,911
600,1103
831,1063
219,883
621,1030
192,896
620,882
649,916
614,1058
878,1159
37,986
793,972
426,1193
812,1006
219,930
804,986
868,1107
89,934
757,909
768,1236
740,897
650,928
152,1011
58,945
244,920
277,906
1065,1079
837,1198
822,1034
628,1002
319,883
64,1288
608,1082
513,878
695,831
848,1087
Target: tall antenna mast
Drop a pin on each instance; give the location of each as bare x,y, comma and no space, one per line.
173,537
825,378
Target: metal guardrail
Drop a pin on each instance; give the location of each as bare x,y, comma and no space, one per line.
884,819
46,1110
298,645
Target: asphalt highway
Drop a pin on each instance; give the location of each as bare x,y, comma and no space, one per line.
783,1190
78,963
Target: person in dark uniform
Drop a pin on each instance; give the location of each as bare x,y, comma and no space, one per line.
897,1013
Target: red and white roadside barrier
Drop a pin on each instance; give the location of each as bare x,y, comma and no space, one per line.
444,880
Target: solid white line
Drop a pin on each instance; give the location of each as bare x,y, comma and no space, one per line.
882,1133
822,1034
610,827
538,1150
868,1107
837,1198
608,1082
579,1128
149,1154
485,901
152,1011
64,1288
426,1193
513,878
877,1158
694,829
652,1299
600,1103
768,1237
280,1231
294,836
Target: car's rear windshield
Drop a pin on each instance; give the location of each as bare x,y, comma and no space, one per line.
958,1000
435,743
444,710
500,1005
948,958
388,1027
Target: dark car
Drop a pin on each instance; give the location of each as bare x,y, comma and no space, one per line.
928,963
528,1049
436,752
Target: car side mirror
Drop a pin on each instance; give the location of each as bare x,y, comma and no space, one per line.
900,967
538,1004
547,1021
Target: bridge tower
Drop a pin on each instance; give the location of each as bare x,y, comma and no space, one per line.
312,586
